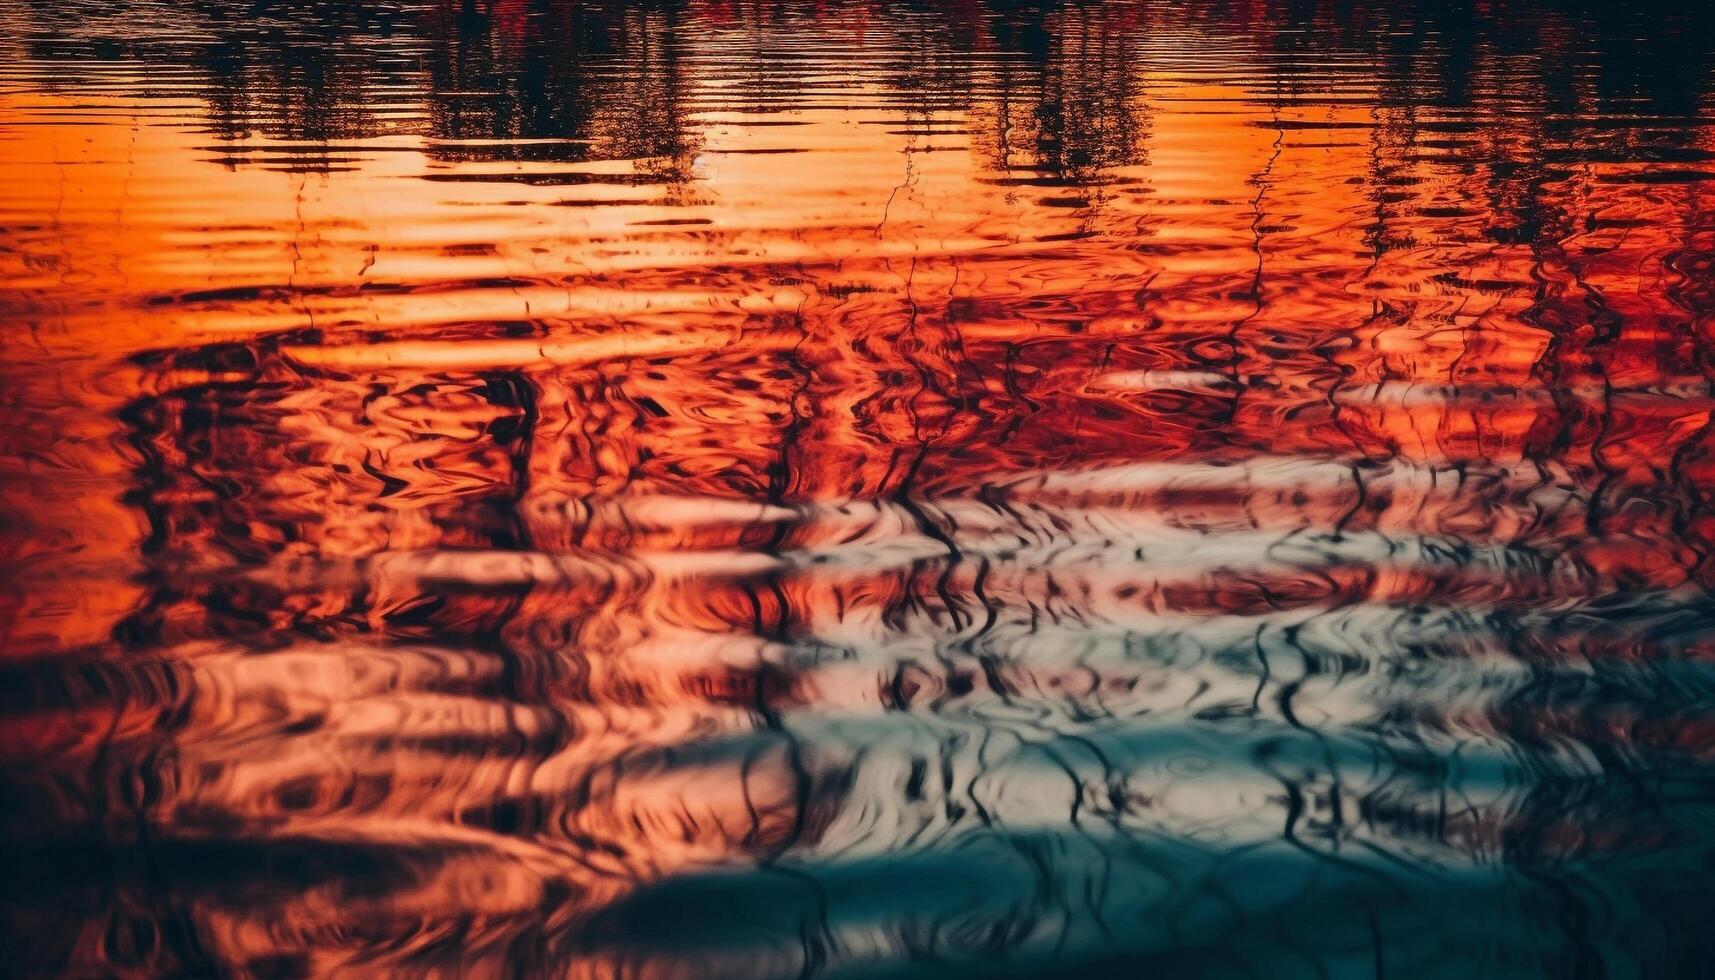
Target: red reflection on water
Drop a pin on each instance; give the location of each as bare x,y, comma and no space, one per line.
477,475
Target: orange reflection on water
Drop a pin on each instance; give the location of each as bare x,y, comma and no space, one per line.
487,490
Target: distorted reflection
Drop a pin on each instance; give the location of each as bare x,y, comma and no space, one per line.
775,489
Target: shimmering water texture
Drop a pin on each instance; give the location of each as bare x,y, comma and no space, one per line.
535,488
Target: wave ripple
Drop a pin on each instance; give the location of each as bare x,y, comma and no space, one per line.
694,489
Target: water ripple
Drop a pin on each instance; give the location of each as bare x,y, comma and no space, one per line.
549,488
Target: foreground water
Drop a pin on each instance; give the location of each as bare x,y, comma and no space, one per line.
857,489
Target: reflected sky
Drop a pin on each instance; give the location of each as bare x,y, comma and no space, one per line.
660,489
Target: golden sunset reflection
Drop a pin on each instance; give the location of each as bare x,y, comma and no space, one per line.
538,487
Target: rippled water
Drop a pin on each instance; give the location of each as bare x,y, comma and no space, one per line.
777,489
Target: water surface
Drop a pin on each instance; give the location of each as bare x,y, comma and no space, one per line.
872,489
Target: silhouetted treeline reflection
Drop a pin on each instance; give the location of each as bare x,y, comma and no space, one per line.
754,489
1059,81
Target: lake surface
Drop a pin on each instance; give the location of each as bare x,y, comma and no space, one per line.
873,489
